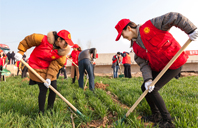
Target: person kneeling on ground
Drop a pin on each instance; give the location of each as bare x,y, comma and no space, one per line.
84,62
47,58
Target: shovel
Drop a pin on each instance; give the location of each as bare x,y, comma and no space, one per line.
63,98
5,72
156,79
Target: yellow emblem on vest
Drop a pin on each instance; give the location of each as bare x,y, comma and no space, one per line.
69,36
53,57
146,30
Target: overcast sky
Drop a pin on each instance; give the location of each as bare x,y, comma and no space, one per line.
88,21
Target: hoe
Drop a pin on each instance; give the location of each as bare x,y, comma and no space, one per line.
156,79
66,101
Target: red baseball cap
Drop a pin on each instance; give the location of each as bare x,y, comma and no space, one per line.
66,36
120,26
75,46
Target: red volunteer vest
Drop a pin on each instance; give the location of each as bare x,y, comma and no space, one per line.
42,55
160,48
17,63
2,61
115,60
74,56
126,59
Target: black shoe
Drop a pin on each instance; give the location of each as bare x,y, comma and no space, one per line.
165,124
41,113
155,118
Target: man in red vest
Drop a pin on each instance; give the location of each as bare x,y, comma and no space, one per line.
154,47
116,64
126,61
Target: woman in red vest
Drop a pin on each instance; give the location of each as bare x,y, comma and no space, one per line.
48,56
126,61
154,47
74,68
3,62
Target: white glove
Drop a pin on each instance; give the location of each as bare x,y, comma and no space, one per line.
48,83
193,36
18,56
94,60
146,85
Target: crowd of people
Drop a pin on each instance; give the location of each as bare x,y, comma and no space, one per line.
151,42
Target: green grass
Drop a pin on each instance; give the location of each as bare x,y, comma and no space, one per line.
19,103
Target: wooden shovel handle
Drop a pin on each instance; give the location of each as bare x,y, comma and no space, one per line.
72,61
159,76
41,78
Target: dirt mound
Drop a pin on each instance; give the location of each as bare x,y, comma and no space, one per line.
101,85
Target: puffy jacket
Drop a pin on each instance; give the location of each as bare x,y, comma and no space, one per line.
45,60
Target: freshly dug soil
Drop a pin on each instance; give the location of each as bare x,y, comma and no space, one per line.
101,85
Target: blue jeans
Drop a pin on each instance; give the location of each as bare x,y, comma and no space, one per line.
86,64
115,71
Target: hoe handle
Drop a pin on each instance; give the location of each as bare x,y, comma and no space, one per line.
72,62
41,78
159,76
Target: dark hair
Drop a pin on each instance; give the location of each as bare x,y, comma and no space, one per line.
131,24
79,49
118,53
3,55
56,36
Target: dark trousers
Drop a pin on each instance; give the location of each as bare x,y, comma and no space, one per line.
18,71
24,72
64,71
42,96
127,70
154,99
86,64
9,61
74,79
93,70
13,61
1,68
